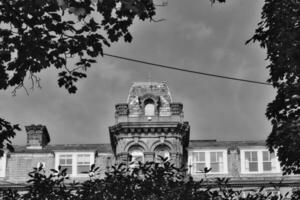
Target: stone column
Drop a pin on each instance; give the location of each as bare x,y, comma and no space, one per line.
175,158
149,156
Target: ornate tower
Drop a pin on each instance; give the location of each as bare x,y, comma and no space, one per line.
148,125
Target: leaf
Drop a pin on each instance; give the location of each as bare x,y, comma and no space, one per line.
54,170
10,147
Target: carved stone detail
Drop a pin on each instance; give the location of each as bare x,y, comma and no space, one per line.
176,108
122,109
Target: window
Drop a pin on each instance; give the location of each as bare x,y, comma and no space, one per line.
198,161
149,107
268,161
136,155
214,159
66,162
251,161
162,151
83,163
77,164
259,161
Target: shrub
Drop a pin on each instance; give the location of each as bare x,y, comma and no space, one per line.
146,181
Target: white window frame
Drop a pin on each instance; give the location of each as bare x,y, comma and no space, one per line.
3,161
251,153
74,161
207,160
275,169
194,163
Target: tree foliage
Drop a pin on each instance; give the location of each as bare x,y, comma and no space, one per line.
279,33
7,132
147,181
40,34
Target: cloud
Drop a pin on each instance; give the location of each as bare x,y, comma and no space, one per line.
195,31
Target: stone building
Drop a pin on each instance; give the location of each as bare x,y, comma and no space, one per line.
147,126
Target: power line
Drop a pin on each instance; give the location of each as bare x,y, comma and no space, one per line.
185,70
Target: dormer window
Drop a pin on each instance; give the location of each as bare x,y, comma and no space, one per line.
259,161
76,163
149,107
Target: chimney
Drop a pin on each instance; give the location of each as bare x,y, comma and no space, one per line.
37,136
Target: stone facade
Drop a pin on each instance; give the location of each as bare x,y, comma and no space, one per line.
149,123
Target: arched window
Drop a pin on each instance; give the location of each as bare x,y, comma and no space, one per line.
136,153
149,107
162,151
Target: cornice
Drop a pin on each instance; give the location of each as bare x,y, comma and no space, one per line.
149,128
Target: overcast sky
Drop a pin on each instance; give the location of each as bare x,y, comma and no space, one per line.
195,36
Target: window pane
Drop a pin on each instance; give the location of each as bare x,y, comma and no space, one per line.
267,166
198,167
266,156
62,161
213,157
220,157
216,167
199,157
254,156
83,169
216,161
253,166
65,161
69,161
83,159
247,155
83,163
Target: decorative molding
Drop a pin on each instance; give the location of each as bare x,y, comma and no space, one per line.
122,109
233,150
176,108
178,128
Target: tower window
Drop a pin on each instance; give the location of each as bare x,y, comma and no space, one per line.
162,151
149,107
136,154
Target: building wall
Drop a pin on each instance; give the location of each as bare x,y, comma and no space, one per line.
104,161
20,164
239,179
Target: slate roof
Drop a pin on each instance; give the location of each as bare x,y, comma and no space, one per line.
219,144
100,148
106,148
